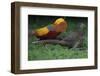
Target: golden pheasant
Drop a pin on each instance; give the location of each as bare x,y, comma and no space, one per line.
51,32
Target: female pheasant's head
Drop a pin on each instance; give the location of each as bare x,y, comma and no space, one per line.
60,25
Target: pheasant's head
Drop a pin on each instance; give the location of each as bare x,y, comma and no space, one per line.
60,25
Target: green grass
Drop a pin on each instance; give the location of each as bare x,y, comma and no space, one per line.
50,51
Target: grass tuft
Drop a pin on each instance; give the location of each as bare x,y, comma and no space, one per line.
50,51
